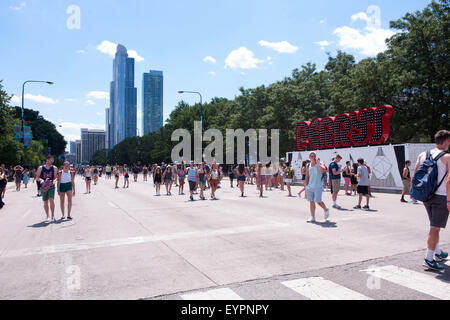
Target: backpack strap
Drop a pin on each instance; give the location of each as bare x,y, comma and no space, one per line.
440,155
436,159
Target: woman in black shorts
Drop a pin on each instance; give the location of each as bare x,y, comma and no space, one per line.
157,178
126,182
241,173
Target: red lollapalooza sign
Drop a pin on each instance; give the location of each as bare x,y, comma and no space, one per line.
358,128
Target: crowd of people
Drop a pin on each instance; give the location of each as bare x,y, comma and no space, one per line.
316,177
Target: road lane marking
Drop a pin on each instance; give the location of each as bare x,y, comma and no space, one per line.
27,213
216,294
423,283
139,240
112,205
318,288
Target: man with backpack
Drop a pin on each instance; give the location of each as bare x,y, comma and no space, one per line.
428,185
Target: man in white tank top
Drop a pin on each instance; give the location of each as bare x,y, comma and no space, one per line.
438,206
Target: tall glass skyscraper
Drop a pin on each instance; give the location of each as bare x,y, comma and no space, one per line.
123,96
152,101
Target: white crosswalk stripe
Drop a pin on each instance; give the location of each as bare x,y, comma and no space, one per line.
423,283
318,288
216,294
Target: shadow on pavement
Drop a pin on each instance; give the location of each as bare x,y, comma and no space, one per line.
327,224
42,224
343,209
444,275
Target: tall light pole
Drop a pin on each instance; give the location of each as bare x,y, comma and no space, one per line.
201,102
23,99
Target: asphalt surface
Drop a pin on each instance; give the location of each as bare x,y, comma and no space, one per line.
130,244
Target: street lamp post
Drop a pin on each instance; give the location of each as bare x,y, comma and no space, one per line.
201,102
23,100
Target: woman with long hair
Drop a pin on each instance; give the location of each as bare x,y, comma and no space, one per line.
347,177
304,164
260,178
288,174
241,173
202,177
88,177
145,172
354,179
26,177
126,182
157,179
95,174
66,186
214,179
181,172
116,173
167,178
18,174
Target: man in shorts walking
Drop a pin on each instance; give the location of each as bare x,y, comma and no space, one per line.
46,176
438,206
335,179
363,185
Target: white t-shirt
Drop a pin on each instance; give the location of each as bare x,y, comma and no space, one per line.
442,170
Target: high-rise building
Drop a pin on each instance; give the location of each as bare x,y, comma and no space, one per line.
107,129
73,147
152,101
91,142
123,95
78,151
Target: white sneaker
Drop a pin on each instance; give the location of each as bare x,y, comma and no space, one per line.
48,220
327,214
311,220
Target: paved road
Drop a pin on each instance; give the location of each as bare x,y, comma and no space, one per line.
129,244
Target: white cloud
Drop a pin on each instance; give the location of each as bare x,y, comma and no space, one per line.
101,95
371,40
81,51
70,100
323,21
20,7
209,59
212,73
16,99
134,54
283,46
269,60
323,44
79,126
35,98
90,102
242,58
110,49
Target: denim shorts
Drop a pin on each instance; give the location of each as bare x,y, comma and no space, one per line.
314,194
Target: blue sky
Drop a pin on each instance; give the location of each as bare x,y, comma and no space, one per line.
213,47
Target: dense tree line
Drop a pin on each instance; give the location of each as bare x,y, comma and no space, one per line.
412,75
44,135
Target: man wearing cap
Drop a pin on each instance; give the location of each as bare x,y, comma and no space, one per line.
314,186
